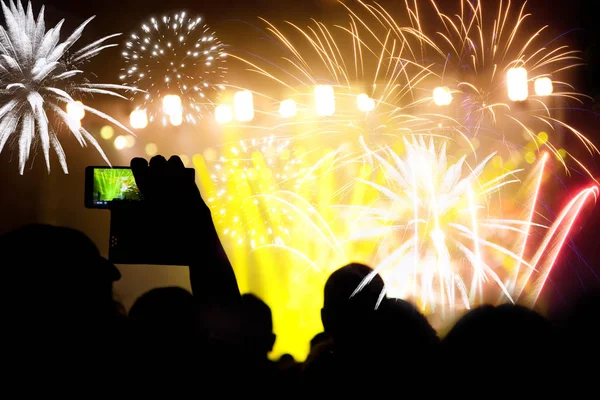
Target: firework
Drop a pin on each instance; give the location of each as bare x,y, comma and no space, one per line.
343,85
427,198
38,76
178,56
453,244
497,75
419,135
492,79
276,212
245,177
445,232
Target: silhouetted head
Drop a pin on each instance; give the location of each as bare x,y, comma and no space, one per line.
168,311
258,325
286,361
404,324
56,272
500,337
318,339
343,309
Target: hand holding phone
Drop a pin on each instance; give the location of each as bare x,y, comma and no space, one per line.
148,211
173,226
167,183
179,214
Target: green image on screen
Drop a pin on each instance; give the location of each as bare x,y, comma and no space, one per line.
115,184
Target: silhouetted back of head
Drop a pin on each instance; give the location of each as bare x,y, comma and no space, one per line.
56,271
164,311
343,282
57,302
347,313
502,338
405,328
319,339
257,325
258,313
402,341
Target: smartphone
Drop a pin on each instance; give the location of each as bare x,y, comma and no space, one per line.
135,237
106,185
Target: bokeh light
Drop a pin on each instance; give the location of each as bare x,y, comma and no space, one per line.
287,108
365,103
442,96
107,132
543,86
516,82
138,119
243,106
223,114
129,141
151,149
324,100
75,110
120,142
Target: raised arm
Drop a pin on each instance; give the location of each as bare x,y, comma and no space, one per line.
174,201
211,275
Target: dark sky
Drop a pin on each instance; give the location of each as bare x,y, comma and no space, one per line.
575,16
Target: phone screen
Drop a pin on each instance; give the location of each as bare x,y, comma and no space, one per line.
113,184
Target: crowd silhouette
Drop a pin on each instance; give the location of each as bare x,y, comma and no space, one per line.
62,326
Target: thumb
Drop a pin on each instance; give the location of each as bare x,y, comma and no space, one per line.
139,167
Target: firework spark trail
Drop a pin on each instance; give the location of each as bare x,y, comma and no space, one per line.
474,53
378,63
546,256
37,76
175,55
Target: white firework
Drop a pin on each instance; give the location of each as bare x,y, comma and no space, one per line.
429,218
38,77
176,55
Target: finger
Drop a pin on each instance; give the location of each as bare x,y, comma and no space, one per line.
138,163
139,167
181,176
175,163
158,162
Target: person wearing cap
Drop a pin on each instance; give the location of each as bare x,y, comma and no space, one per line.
59,313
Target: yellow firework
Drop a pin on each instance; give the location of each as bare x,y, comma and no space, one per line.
282,229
